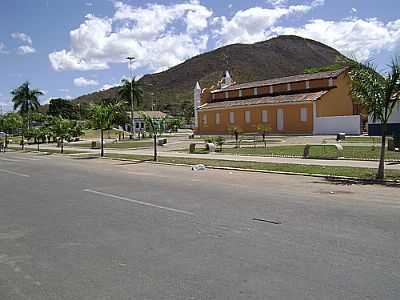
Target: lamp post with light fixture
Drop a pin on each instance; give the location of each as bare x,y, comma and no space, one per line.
131,59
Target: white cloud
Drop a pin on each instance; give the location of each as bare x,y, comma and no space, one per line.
23,37
353,37
83,82
3,48
89,4
277,3
64,90
153,34
109,86
254,24
24,50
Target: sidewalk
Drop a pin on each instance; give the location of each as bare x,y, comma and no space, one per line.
233,157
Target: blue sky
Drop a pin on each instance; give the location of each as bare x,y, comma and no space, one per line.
69,48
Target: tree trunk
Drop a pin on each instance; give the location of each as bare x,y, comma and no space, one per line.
62,145
155,146
102,142
23,142
38,146
381,170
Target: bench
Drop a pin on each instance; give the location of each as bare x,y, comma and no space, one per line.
339,149
209,146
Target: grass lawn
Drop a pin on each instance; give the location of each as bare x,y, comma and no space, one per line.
363,173
361,139
95,134
120,145
50,151
356,152
259,142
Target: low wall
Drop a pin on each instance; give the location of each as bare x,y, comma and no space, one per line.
334,125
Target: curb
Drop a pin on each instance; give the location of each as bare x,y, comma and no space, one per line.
344,179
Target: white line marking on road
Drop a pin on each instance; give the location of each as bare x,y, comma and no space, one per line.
139,202
9,159
27,158
149,174
14,173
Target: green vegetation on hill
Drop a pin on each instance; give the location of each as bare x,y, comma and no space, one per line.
333,67
172,90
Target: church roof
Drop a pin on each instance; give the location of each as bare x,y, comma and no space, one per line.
281,99
283,80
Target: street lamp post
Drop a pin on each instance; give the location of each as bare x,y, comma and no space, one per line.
131,59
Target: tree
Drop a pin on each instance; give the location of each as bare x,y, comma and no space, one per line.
155,127
38,134
103,117
131,91
263,129
9,123
379,93
174,123
76,130
235,131
26,100
219,141
61,128
63,108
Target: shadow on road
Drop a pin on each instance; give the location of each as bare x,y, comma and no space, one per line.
133,162
338,181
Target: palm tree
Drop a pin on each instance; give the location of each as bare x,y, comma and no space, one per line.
379,93
154,127
25,101
103,117
131,91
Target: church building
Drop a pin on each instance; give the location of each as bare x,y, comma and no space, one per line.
318,103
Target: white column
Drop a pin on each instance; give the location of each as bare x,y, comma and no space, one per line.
196,104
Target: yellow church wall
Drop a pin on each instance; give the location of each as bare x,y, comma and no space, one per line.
338,101
292,119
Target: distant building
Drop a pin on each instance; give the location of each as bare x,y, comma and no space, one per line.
317,103
139,121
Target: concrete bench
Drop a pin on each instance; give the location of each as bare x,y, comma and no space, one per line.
339,149
209,146
161,141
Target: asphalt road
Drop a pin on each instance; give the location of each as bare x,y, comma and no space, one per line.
101,229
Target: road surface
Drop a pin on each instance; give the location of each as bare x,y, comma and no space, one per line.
102,229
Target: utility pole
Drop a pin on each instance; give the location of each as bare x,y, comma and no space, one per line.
131,59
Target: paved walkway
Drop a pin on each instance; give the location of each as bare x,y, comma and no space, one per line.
233,157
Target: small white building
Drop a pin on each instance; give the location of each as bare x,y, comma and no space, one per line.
139,122
375,128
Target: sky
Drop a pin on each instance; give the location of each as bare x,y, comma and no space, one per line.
70,48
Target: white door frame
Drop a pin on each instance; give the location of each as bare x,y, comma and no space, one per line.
280,119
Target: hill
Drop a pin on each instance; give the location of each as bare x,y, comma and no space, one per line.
277,57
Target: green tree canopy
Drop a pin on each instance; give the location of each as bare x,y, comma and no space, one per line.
103,116
25,99
379,93
63,108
